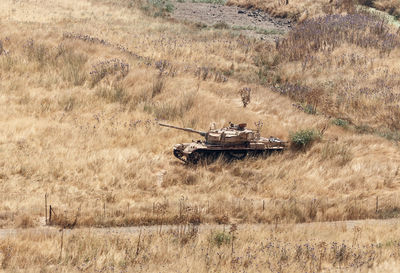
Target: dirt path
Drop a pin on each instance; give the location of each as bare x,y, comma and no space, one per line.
250,22
46,230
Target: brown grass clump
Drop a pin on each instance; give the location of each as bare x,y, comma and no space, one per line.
24,221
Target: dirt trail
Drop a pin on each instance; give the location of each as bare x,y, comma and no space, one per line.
250,22
47,230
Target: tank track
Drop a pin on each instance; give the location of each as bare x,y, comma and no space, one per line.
206,156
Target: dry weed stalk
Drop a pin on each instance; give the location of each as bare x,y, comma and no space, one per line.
245,94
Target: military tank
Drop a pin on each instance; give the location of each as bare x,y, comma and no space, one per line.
232,142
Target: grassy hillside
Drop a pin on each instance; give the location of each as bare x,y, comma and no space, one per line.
82,86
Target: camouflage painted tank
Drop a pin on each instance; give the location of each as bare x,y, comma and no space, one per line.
233,142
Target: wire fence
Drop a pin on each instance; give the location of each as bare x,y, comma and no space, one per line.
305,209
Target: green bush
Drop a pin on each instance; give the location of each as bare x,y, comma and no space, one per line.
304,138
220,238
158,7
340,122
219,2
221,25
310,109
390,135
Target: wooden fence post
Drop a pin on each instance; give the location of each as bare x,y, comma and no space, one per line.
62,242
45,207
50,214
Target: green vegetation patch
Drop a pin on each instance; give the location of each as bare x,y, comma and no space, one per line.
158,8
304,138
221,238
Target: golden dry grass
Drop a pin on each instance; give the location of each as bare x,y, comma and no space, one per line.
318,247
81,87
91,142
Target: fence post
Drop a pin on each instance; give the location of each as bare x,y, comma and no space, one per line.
377,205
50,214
62,242
45,207
263,205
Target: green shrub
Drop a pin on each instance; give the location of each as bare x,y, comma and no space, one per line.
340,122
158,7
364,129
219,2
304,138
169,7
310,109
221,25
220,238
390,135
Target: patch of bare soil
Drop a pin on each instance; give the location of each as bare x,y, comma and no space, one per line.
250,22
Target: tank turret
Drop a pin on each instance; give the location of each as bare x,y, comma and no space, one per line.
232,142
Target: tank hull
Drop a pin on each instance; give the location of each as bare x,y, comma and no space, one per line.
194,153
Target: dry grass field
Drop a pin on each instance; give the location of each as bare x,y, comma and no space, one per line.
317,247
83,83
303,9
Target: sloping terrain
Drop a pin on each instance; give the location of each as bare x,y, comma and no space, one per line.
79,103
83,86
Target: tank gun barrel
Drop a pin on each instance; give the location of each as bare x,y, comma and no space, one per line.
190,130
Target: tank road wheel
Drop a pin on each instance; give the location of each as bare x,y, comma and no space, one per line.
235,155
194,158
179,155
